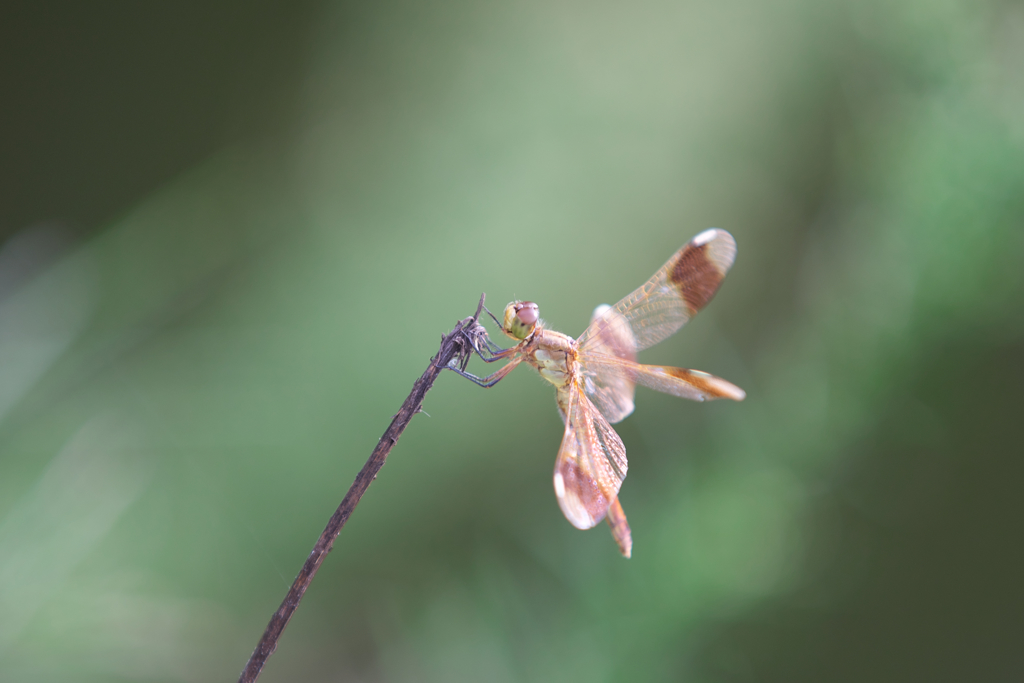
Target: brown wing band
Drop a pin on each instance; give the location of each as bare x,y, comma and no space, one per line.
696,276
582,500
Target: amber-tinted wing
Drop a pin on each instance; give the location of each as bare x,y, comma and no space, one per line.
671,297
612,393
591,463
691,384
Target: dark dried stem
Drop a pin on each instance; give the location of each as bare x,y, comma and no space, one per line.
459,344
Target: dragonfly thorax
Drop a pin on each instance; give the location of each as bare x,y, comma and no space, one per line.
554,356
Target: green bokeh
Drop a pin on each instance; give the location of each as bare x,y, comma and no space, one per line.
187,391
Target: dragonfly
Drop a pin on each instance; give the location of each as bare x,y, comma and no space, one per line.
595,376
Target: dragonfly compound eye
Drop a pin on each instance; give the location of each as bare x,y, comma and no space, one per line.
520,319
527,313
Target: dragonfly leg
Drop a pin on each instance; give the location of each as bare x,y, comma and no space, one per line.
492,347
482,345
496,321
491,379
495,354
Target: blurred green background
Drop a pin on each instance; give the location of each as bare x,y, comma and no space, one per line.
231,235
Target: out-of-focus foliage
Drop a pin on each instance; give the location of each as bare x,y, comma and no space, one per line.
186,394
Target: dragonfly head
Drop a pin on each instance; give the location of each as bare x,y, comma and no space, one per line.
520,319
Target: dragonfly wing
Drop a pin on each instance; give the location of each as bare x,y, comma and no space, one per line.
611,393
591,463
691,384
673,295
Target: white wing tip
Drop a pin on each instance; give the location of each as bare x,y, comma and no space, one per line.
705,237
572,507
729,390
559,485
721,250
